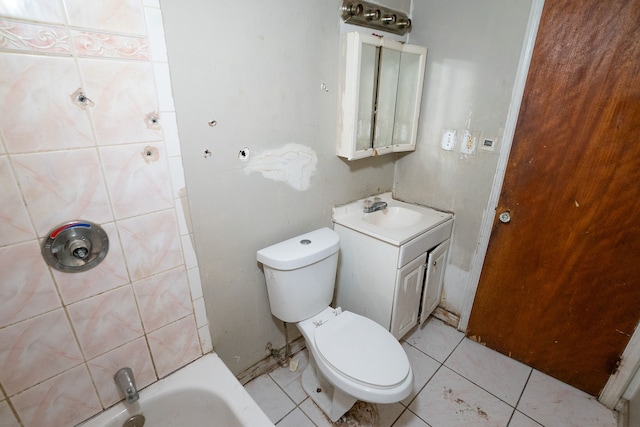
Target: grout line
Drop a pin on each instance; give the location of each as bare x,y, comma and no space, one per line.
525,386
520,398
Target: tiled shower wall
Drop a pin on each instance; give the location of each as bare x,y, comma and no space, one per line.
88,132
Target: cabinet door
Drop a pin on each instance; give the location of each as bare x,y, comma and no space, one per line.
434,279
406,301
380,95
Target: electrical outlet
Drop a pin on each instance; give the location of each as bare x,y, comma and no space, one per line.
448,139
468,142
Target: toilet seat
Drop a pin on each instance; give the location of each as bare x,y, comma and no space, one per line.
362,350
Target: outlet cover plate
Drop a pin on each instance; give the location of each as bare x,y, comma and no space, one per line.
448,139
468,142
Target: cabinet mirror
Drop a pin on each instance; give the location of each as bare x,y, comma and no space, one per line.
381,90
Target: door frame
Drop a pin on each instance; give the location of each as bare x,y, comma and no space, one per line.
498,178
618,382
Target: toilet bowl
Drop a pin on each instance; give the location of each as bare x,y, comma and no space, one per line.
351,357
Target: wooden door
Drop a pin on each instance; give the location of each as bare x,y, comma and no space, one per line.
560,287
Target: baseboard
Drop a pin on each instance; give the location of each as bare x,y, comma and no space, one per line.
446,316
623,413
269,363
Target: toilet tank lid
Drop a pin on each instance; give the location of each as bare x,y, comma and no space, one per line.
301,250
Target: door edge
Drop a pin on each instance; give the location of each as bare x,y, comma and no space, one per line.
510,126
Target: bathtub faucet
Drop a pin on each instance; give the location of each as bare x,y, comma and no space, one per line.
127,384
377,205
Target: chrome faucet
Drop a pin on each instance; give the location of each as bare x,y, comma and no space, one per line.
127,384
376,205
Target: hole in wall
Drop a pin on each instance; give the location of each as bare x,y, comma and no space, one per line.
152,120
150,154
80,99
243,154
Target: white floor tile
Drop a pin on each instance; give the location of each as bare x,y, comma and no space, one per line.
423,368
501,376
315,414
295,391
449,400
409,419
521,420
283,375
553,403
475,387
435,338
296,418
273,401
388,414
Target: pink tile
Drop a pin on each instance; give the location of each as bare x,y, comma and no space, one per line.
27,289
121,16
151,243
36,349
64,400
45,178
109,274
14,223
106,321
134,355
36,10
36,109
138,178
163,298
22,36
124,94
110,45
7,419
174,345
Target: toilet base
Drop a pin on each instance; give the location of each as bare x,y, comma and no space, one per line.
333,402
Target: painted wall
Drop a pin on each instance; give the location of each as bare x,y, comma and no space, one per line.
474,48
267,73
114,160
272,172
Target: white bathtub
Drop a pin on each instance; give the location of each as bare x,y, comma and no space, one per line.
204,393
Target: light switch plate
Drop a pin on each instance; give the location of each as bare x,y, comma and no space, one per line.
488,144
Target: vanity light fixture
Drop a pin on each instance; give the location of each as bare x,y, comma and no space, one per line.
375,16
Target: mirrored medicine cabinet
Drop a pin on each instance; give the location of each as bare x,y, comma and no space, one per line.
380,94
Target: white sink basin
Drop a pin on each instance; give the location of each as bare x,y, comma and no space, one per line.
393,217
397,224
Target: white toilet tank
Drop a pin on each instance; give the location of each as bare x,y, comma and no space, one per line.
301,273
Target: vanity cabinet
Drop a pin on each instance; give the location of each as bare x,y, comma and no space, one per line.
379,95
397,286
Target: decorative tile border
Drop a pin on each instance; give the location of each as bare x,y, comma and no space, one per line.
21,36
93,44
26,37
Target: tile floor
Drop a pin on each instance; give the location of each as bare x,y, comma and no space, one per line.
457,383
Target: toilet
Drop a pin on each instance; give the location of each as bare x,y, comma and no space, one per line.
351,357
